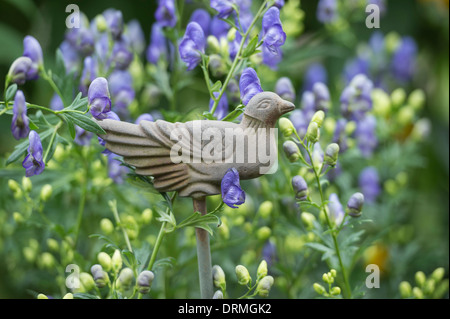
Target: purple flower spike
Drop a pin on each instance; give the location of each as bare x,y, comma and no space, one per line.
20,124
403,61
32,49
249,85
327,11
232,193
158,45
219,28
369,183
33,162
203,18
223,7
114,20
192,45
110,116
314,74
88,75
19,70
99,98
165,13
272,56
121,55
273,33
279,3
222,107
144,117
335,209
135,36
285,89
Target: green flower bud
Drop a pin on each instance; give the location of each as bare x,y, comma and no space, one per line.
68,296
106,226
231,34
30,254
398,97
53,244
292,151
131,226
265,209
262,269
308,220
126,277
242,275
13,185
313,132
213,44
263,233
429,286
144,281
42,296
105,260
217,65
46,192
319,288
417,293
438,274
286,127
333,273
147,216
46,260
318,118
116,260
329,125
224,47
405,115
87,281
219,277
264,286
26,184
392,41
421,130
417,99
335,291
328,278
331,154
101,23
18,218
218,295
350,127
381,102
101,278
405,289
420,278
355,205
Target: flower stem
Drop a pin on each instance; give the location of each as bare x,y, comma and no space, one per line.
52,140
237,58
46,76
113,206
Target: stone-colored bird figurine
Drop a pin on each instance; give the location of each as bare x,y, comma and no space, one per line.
203,150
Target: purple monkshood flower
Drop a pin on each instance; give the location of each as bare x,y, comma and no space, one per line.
300,122
403,60
321,97
369,183
271,56
300,188
19,70
273,33
366,135
356,99
314,74
82,39
20,124
285,89
122,91
70,56
144,117
269,253
158,45
135,37
121,55
335,209
359,65
110,116
32,49
192,45
165,13
327,11
114,20
202,17
279,3
222,108
249,85
99,98
219,28
245,15
88,75
33,162
82,137
116,171
223,7
232,193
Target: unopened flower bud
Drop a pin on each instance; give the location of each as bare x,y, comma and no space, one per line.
381,102
144,281
313,132
292,151
213,44
87,281
101,278
331,154
52,244
18,218
231,35
300,188
147,216
355,205
126,277
420,278
101,23
46,192
392,41
217,65
405,289
327,278
46,260
417,293
417,99
264,286
106,226
116,260
105,260
265,209
42,296
318,118
398,97
95,269
429,286
333,273
26,184
438,274
286,127
68,296
263,233
13,185
335,291
308,219
242,275
219,277
218,295
405,115
19,70
262,269
319,288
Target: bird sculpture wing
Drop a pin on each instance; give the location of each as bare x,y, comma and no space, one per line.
148,146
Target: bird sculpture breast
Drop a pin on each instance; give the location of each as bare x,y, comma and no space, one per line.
193,157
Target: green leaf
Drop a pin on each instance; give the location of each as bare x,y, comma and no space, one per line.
79,103
207,115
21,148
167,217
234,114
216,87
201,221
32,125
85,122
11,92
251,47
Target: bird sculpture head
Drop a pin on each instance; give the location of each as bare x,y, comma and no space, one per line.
267,107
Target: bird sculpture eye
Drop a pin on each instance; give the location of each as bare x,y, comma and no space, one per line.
264,105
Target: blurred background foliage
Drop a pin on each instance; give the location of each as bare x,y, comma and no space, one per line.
427,207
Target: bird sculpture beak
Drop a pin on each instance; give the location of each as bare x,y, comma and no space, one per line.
286,107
